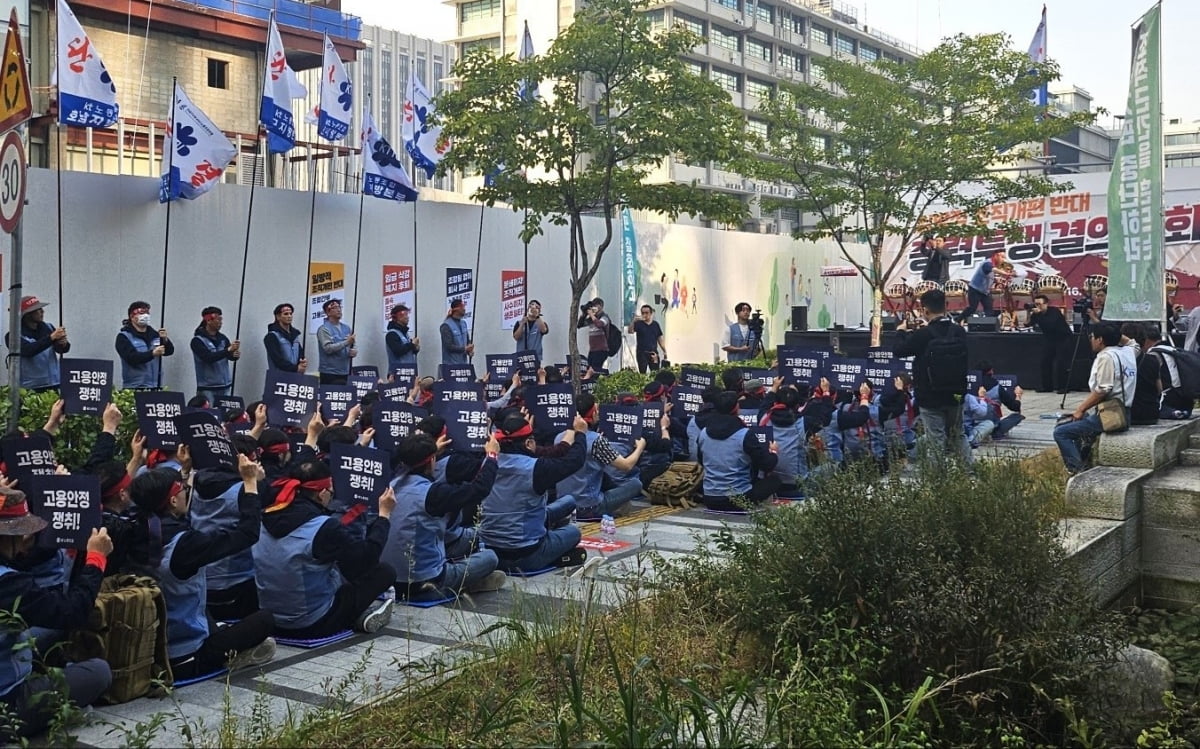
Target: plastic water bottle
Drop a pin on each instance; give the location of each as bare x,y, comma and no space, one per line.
608,526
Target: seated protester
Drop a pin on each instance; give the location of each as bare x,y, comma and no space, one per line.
453,467
175,554
178,459
977,417
199,401
818,408
734,459
656,457
898,417
678,428
697,423
525,532
791,440
847,437
1174,403
312,573
416,544
998,395
732,380
422,392
22,693
754,396
216,499
275,453
116,515
1113,376
586,484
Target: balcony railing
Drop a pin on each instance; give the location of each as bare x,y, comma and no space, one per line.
291,13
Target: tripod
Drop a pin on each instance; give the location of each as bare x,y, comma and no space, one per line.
1085,328
756,344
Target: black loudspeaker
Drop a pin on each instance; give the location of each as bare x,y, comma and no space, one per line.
800,318
983,324
890,322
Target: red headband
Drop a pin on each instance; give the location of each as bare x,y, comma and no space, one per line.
176,487
590,416
156,456
289,487
18,510
138,310
524,431
279,448
114,490
212,316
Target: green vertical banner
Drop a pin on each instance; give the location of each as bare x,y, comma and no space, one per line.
1135,188
630,271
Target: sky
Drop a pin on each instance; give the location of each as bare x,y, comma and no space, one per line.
1089,39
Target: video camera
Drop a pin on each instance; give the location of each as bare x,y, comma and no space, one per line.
756,323
1083,305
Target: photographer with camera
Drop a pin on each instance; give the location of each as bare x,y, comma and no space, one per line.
1056,343
744,336
597,322
649,340
937,259
531,329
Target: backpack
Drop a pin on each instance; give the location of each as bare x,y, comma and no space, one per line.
127,628
946,363
615,338
677,486
1187,363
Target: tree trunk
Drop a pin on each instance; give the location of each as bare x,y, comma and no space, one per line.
876,296
573,336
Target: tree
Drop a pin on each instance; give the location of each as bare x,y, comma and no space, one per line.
869,149
592,159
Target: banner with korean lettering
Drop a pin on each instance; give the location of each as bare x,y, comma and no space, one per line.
87,385
325,281
687,400
398,288
87,96
207,442
466,423
290,397
1135,188
552,406
195,152
336,401
798,365
512,298
395,421
460,284
27,457
462,373
70,505
697,377
620,423
360,474
156,414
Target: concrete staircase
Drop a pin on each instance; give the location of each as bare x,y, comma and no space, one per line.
1171,532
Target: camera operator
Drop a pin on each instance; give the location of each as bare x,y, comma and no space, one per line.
937,259
1056,344
738,343
531,329
649,340
596,321
1091,308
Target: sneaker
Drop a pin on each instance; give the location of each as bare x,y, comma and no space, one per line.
376,617
259,655
572,558
493,581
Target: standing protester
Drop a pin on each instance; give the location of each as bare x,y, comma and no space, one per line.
736,342
940,374
402,347
335,343
40,343
141,349
1056,344
649,340
1114,375
979,290
937,259
531,329
285,350
211,352
457,347
596,321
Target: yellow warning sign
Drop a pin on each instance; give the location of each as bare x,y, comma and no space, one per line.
16,104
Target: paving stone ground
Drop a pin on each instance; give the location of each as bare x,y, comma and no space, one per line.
300,680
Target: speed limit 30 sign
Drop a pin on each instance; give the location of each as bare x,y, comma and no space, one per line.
12,181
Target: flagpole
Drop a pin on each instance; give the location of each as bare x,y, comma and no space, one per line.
312,219
416,250
475,276
357,260
1162,180
162,310
62,300
237,333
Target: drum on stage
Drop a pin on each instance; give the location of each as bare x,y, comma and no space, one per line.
1021,287
1094,283
899,298
1171,281
1050,285
924,286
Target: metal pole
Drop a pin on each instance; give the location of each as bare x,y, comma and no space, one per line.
14,332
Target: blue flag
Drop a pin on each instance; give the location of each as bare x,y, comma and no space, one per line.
275,114
383,174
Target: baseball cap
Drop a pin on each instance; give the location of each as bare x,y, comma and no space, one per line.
457,302
330,302
31,304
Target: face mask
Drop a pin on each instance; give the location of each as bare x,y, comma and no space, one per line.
143,319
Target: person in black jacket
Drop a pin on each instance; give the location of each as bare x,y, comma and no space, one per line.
940,409
1056,344
40,346
142,349
285,349
738,469
21,691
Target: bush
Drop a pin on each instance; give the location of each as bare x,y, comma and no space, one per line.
78,433
631,381
955,575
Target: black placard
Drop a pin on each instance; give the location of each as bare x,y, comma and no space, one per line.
406,375
621,423
26,457
798,365
291,398
687,400
393,422
231,402
881,355
453,392
748,417
879,374
652,412
1007,380
394,393
206,441
552,406
766,375
461,373
71,506
86,385
845,373
697,377
466,423
764,434
362,385
336,401
527,365
360,474
500,369
156,412
367,370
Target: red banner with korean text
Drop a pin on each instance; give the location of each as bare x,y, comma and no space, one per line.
512,298
398,288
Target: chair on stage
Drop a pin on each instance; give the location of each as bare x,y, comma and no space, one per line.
956,295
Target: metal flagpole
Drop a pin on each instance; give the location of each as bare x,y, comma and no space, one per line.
62,300
312,218
357,261
475,271
162,310
237,334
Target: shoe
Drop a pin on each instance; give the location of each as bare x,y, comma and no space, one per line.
493,581
589,514
376,617
260,654
572,558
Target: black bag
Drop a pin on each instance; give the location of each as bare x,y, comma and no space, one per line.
1187,363
615,339
946,363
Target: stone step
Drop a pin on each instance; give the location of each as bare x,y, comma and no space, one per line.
1171,499
1191,456
1194,441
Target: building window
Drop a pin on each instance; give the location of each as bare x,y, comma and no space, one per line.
759,50
385,94
491,44
218,73
868,53
726,80
816,72
437,77
791,61
798,25
761,89
1178,161
735,4
819,143
421,71
695,68
403,69
1175,139
657,18
367,60
765,13
756,127
691,24
822,35
845,44
724,39
478,10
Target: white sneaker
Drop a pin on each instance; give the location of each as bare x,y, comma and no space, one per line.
259,655
376,617
493,581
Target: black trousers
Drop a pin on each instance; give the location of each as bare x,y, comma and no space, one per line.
333,379
760,491
222,644
236,602
978,299
646,360
349,602
85,682
596,359
1056,361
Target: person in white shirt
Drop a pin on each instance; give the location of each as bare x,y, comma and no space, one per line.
1114,375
